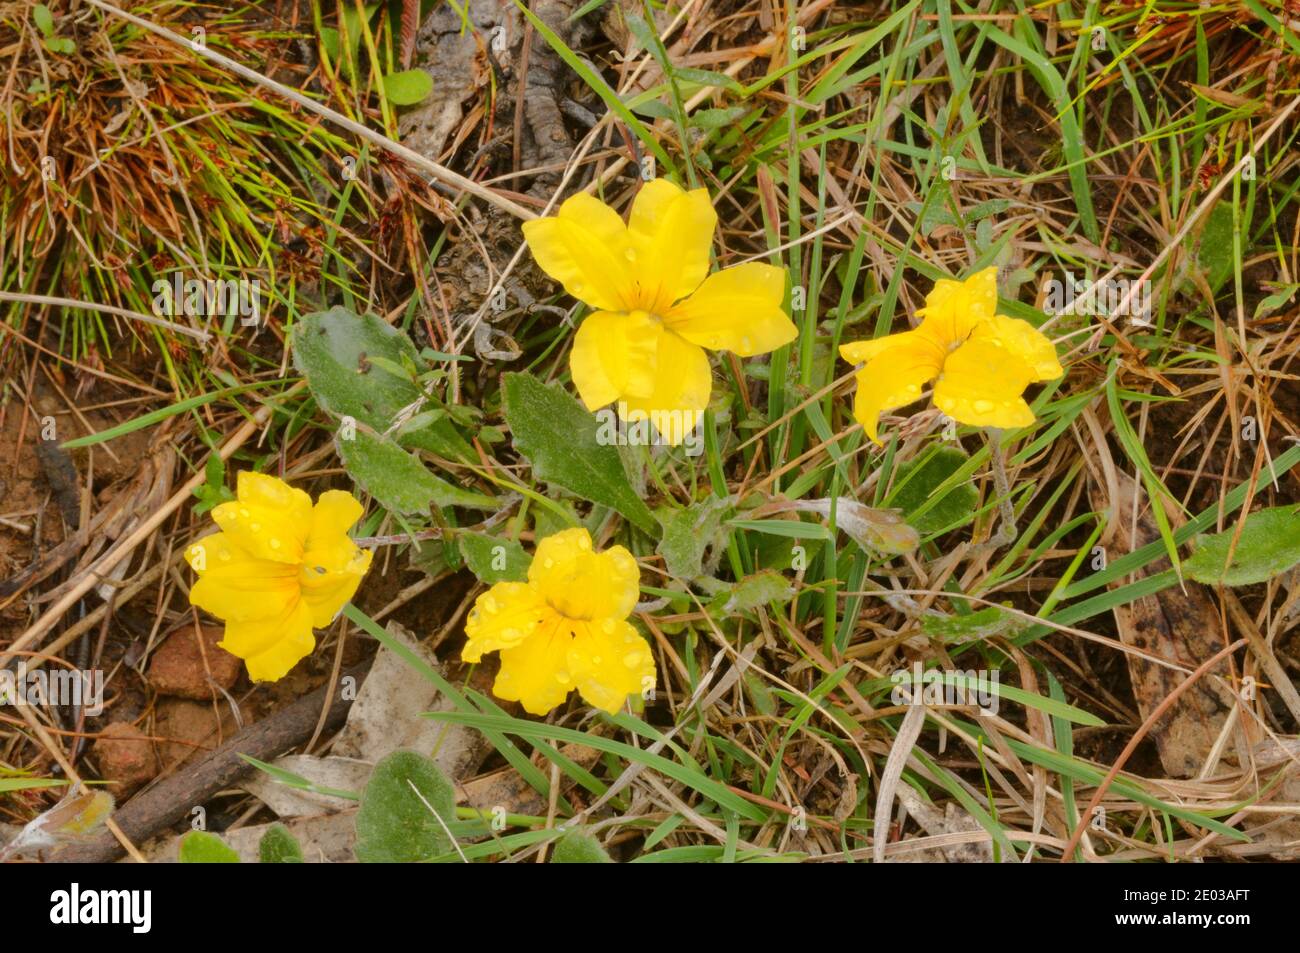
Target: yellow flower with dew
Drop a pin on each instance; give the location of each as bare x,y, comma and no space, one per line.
279,567
565,628
981,361
656,307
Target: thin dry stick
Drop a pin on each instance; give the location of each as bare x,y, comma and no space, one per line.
396,148
1086,817
53,302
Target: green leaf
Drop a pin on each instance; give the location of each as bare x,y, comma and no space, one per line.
404,809
43,19
579,847
974,626
689,533
408,87
494,560
200,847
561,439
348,361
919,480
760,589
1269,544
398,480
1215,253
278,846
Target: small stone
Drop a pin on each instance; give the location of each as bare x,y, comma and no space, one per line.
126,758
177,666
191,728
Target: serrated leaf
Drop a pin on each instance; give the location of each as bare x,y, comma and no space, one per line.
760,589
404,808
494,560
408,87
917,481
398,480
200,847
689,533
579,847
336,351
1269,545
278,846
560,439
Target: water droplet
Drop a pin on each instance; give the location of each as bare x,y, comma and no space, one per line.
607,626
489,604
243,512
983,406
584,543
255,526
562,677
275,544
224,555
548,563
595,660
510,634
578,288
631,254
746,343
632,659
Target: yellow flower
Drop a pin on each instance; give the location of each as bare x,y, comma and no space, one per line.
983,361
278,567
565,628
656,305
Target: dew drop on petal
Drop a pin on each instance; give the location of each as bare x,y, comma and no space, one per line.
562,677
983,406
275,544
632,659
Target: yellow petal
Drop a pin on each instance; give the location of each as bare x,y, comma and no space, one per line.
894,377
583,584
535,672
329,578
1025,341
585,248
332,516
981,386
268,519
954,308
681,390
235,586
609,661
737,309
333,565
856,352
671,231
270,647
502,618
613,355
